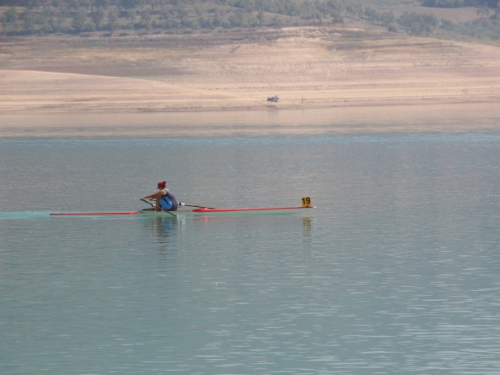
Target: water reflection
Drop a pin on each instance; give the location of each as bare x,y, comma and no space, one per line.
166,229
163,228
306,226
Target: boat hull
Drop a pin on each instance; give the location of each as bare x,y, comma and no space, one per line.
229,211
257,211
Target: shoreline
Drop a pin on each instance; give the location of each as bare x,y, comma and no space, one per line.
411,119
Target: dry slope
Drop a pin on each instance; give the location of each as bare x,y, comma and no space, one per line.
306,67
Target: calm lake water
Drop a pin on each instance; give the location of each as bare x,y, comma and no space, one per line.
396,271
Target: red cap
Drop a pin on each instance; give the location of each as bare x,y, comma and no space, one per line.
162,184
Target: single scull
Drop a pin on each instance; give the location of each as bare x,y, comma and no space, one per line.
199,212
203,211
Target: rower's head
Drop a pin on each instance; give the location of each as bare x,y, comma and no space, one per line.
162,184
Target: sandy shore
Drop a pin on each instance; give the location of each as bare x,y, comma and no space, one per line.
310,69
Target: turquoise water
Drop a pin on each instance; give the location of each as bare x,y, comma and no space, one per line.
397,271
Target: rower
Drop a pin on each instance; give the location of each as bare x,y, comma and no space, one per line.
165,200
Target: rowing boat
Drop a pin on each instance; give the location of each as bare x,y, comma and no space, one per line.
202,210
198,212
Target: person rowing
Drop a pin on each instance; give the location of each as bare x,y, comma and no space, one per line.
165,200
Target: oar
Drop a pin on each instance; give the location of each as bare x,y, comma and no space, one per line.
193,205
161,208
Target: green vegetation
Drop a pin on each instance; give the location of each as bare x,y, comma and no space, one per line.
460,3
24,17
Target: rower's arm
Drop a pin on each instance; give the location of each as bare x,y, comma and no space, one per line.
151,196
157,195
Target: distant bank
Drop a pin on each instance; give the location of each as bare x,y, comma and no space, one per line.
308,67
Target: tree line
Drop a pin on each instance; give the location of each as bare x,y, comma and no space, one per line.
66,16
152,16
460,3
